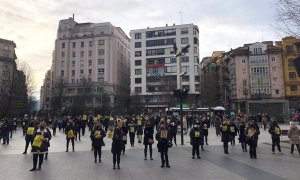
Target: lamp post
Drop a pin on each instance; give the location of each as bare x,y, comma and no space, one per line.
179,92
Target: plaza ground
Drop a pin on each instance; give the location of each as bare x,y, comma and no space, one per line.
213,165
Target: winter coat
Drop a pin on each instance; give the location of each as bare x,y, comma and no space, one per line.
293,134
148,134
242,137
68,129
252,133
196,136
225,132
97,136
205,126
117,143
173,128
162,144
275,131
29,131
233,129
40,142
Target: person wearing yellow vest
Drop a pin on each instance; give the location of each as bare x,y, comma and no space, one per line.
70,135
196,136
275,132
233,132
29,132
252,133
117,145
97,136
225,132
39,146
132,130
163,138
140,125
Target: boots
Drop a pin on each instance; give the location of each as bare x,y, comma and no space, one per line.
145,154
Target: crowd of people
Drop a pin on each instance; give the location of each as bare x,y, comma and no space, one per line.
146,129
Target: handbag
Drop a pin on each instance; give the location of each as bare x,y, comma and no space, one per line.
170,144
150,141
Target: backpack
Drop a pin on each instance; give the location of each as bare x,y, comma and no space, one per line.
70,134
30,131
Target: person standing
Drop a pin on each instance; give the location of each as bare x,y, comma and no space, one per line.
116,147
148,139
5,132
293,134
139,132
225,131
173,130
39,147
163,137
233,132
242,136
218,126
195,135
252,133
275,132
70,135
205,126
124,137
47,144
132,130
30,129
78,128
97,136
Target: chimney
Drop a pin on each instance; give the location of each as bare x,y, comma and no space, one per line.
73,17
173,24
166,25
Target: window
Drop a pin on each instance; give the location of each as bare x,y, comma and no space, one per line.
171,69
90,43
243,61
184,40
138,89
292,75
185,59
244,71
196,59
185,69
138,71
62,73
100,42
195,31
161,33
257,51
90,62
82,44
153,52
100,79
73,54
62,64
274,69
81,71
195,50
273,59
293,87
62,54
81,53
90,53
73,72
73,63
74,45
138,36
90,71
274,80
185,78
73,81
291,62
196,69
101,71
196,41
289,49
100,52
100,61
62,45
184,31
138,53
138,62
160,42
138,44
138,80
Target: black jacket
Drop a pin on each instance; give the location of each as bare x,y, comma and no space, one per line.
117,143
196,136
97,142
162,144
148,134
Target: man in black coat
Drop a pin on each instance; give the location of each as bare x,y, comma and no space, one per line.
117,145
163,136
195,135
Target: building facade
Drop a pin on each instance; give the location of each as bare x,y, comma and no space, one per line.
91,67
155,69
251,80
290,47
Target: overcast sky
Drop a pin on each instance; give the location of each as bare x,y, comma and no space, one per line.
32,24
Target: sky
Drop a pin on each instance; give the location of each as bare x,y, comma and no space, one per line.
223,24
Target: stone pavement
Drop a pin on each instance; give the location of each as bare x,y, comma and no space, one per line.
213,165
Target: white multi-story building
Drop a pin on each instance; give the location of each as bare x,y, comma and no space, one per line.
90,58
154,69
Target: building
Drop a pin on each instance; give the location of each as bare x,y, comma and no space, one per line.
90,69
250,80
290,47
155,70
45,94
13,96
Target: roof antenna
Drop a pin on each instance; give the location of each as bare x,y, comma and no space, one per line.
73,17
180,12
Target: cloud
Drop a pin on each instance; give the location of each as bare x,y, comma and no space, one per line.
32,24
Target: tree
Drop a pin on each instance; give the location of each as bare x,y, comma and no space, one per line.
287,18
208,89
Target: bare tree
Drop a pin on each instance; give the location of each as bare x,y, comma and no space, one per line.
287,18
209,90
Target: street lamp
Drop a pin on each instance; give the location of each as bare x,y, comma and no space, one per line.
180,92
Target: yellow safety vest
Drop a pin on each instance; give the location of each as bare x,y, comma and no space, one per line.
232,129
164,134
277,131
70,134
30,131
224,128
37,142
132,129
197,134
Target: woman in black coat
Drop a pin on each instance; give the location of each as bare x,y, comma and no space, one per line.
97,136
124,138
252,133
70,135
196,140
163,136
242,136
117,145
148,139
225,132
